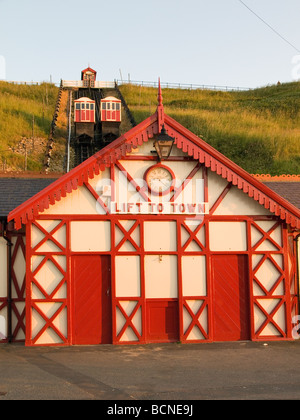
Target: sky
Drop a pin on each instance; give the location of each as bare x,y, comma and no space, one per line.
200,42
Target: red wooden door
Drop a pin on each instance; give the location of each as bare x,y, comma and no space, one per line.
231,313
162,320
91,323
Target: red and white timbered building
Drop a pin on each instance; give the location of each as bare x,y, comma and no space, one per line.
128,248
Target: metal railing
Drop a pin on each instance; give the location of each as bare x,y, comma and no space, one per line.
165,85
189,86
80,84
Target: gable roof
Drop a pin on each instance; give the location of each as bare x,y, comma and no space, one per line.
88,69
184,140
15,191
288,190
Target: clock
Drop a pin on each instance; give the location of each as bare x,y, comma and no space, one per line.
160,179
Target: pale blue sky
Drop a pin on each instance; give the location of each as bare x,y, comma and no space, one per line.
211,42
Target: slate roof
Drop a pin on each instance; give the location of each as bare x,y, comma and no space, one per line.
15,191
290,191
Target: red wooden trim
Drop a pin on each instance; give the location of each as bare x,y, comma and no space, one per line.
143,282
113,182
68,280
269,294
179,280
266,235
220,199
59,285
251,281
287,283
185,182
48,236
20,325
19,289
31,304
205,179
113,283
127,236
140,190
193,236
49,321
97,197
195,316
128,318
28,340
270,316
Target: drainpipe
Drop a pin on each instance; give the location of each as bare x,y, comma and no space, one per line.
9,281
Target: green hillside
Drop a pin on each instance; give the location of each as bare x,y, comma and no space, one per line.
26,113
258,129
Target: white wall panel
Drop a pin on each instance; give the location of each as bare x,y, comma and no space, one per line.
267,275
228,236
216,185
92,236
80,201
49,277
194,275
128,281
161,276
238,203
160,236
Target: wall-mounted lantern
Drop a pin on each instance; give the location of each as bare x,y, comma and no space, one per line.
163,144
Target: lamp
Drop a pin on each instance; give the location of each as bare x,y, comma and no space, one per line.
163,144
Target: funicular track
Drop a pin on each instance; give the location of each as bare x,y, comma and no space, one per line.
50,143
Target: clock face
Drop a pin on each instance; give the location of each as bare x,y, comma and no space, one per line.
160,179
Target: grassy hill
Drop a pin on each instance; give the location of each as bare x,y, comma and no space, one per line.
258,129
26,113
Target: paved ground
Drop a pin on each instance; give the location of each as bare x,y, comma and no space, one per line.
163,372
